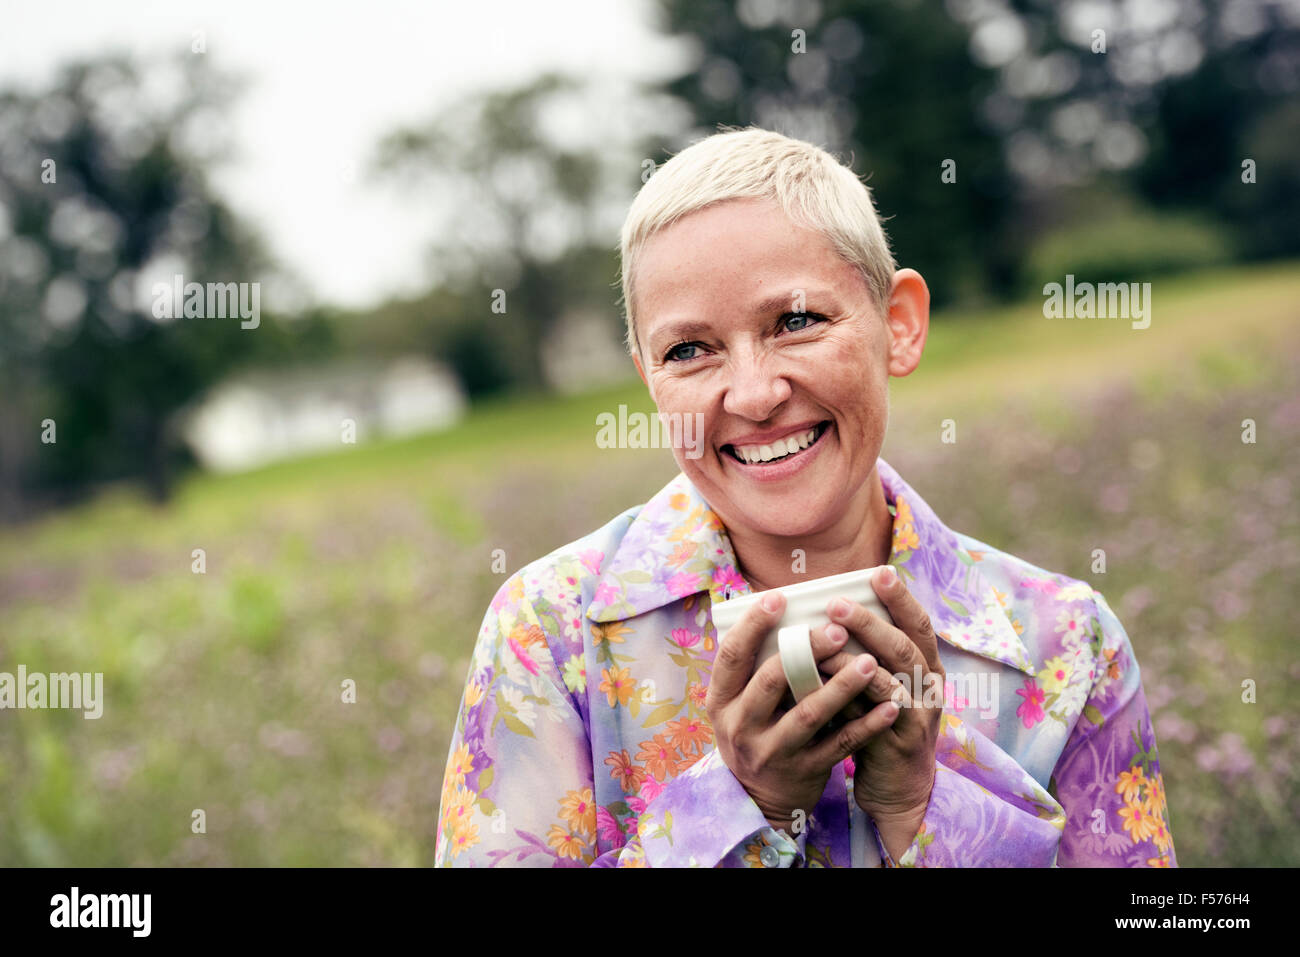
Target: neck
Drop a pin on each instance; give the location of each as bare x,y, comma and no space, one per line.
861,539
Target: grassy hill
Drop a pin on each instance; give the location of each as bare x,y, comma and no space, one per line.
222,689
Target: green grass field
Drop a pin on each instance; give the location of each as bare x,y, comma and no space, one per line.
223,689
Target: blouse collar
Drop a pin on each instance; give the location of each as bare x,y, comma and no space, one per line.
677,546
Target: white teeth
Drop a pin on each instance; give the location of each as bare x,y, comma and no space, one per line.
752,454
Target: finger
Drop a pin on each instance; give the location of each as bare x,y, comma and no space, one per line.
801,723
828,643
763,693
830,665
880,688
891,646
832,638
769,685
907,614
854,736
734,663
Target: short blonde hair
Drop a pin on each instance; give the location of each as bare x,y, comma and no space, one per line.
813,187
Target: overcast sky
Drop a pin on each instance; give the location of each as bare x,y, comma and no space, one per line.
327,80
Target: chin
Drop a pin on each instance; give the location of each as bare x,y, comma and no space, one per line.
781,514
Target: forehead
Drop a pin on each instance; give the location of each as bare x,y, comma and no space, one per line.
745,254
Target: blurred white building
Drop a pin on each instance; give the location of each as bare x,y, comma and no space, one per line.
252,419
584,351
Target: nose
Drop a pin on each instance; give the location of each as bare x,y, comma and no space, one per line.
756,388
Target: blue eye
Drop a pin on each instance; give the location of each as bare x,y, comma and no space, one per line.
674,353
805,318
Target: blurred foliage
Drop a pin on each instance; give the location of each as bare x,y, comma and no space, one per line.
1029,106
104,191
891,87
1265,215
1127,245
520,207
491,353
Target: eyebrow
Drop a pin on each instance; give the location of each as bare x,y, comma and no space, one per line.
686,329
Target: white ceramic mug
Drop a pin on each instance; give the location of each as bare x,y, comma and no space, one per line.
805,608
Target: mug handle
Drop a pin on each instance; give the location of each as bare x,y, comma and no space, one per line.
797,661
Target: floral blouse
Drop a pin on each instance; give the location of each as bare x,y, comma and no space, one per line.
582,737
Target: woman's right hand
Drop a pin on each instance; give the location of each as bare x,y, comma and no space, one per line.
784,758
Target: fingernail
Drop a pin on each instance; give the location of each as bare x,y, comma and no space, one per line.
839,608
866,664
891,709
836,635
769,602
887,576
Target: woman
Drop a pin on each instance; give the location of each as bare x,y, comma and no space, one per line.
604,722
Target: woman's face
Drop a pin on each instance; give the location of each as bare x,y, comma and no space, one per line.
760,332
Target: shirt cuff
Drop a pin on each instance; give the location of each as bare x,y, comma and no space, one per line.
967,825
704,817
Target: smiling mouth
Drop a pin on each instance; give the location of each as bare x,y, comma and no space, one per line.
768,455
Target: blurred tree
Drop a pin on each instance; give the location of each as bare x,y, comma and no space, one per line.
103,193
1168,100
890,86
525,210
1038,102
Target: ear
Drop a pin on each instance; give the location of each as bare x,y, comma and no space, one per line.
908,321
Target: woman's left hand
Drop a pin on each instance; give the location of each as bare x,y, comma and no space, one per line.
894,772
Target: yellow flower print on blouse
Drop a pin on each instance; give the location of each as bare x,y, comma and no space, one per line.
905,537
